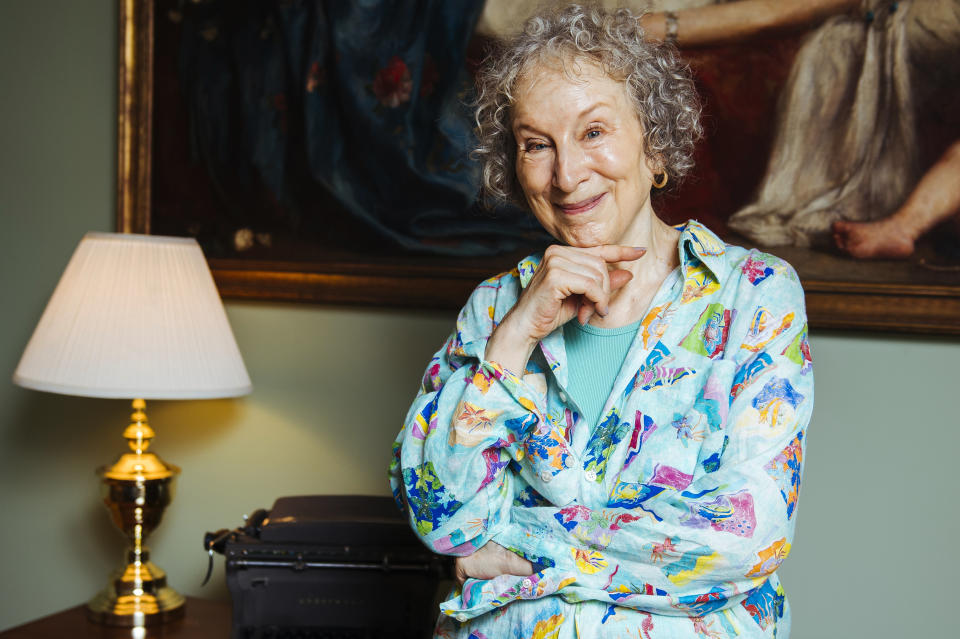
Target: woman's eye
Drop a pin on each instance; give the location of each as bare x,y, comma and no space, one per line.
593,133
534,146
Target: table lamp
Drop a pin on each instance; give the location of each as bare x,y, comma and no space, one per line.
135,317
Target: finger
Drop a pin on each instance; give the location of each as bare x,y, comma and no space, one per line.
614,253
588,306
579,263
508,562
521,567
594,295
595,301
564,285
586,311
618,278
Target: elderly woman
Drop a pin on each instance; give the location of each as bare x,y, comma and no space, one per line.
611,440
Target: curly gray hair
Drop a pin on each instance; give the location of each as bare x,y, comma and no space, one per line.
657,82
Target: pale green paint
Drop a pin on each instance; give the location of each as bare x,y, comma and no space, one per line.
878,520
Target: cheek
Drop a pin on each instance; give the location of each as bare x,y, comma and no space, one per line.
607,156
533,180
619,160
543,215
625,166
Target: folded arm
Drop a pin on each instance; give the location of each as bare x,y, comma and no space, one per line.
471,419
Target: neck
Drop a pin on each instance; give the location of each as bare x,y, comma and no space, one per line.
660,240
628,303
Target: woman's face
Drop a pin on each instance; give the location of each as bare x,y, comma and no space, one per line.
580,157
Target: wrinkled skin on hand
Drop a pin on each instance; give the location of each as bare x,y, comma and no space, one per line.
573,282
491,560
569,282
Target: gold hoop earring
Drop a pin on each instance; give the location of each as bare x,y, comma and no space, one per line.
661,183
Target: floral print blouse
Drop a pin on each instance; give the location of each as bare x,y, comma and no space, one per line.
667,519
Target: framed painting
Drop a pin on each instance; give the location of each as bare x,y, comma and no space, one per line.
315,247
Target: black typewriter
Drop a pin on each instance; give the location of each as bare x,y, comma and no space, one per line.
332,567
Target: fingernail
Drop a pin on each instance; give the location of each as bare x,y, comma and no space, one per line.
639,248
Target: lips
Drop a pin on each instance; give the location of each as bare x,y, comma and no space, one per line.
580,207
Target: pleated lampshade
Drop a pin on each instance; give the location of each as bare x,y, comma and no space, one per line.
135,316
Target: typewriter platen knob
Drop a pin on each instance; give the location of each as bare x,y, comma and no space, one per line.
254,523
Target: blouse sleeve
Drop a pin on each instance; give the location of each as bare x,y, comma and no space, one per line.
705,547
471,419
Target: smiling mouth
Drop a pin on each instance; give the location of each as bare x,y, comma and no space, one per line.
580,207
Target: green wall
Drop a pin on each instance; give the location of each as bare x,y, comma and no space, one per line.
874,551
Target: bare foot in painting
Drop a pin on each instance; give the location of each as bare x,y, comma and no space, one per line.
935,199
884,239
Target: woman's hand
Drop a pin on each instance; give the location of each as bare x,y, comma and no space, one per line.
491,560
568,282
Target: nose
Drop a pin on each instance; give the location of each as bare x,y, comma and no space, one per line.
570,167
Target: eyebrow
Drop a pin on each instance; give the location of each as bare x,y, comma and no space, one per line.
580,116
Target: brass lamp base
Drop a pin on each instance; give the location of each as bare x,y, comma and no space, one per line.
136,596
136,490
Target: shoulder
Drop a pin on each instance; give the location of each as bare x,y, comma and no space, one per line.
504,286
760,276
769,303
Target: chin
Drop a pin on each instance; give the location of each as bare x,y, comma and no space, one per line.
586,239
580,236
584,243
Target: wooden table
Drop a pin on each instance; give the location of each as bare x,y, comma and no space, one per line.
203,620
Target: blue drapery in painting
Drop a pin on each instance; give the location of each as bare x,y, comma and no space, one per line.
380,91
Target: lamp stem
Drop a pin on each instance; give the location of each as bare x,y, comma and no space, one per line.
136,490
139,433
